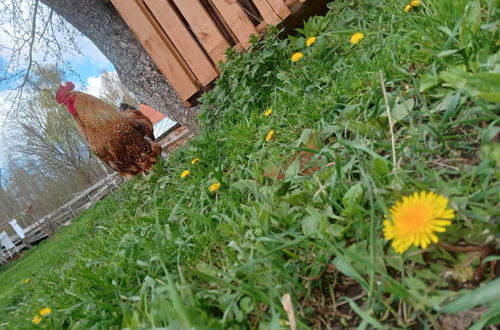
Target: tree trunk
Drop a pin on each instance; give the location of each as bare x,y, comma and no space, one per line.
99,21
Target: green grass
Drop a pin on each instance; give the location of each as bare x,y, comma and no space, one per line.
302,213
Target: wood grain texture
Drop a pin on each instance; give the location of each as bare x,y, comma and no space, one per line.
280,8
183,40
201,24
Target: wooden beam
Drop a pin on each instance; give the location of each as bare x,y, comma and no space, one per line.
155,42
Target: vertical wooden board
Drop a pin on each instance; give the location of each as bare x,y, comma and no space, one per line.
236,19
183,41
204,28
172,67
267,12
280,8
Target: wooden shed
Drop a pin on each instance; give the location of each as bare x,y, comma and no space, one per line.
187,38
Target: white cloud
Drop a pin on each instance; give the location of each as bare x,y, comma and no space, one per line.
94,85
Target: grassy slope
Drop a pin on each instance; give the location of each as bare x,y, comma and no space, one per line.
166,252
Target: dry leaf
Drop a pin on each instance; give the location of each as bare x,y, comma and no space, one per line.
286,301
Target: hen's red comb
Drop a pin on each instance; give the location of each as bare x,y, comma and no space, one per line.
63,91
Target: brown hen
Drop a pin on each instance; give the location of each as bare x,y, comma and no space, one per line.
120,140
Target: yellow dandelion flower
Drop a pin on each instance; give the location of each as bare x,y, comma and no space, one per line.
36,319
268,112
356,37
185,174
415,219
27,280
413,3
195,160
310,41
296,56
269,135
45,311
214,187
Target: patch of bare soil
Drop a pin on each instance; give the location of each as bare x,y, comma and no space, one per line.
461,321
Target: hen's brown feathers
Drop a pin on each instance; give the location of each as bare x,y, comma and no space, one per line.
141,123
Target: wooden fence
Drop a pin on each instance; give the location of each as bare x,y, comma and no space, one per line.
187,38
48,224
80,203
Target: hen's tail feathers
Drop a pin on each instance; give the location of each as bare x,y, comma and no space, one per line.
63,91
125,107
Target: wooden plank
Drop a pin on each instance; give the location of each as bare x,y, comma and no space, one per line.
71,211
209,36
100,194
236,19
63,217
150,35
182,40
280,8
262,27
83,208
267,12
219,52
252,12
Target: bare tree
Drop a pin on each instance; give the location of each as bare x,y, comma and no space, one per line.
100,22
7,201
